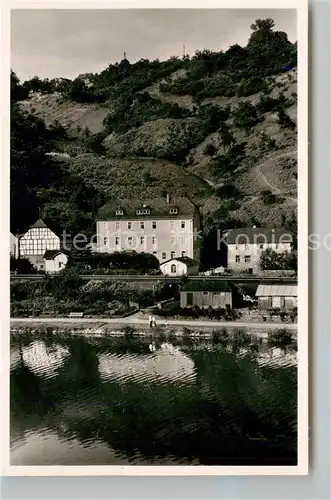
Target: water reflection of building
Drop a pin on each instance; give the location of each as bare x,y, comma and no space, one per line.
42,359
167,363
277,356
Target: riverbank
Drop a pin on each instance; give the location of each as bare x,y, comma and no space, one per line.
97,326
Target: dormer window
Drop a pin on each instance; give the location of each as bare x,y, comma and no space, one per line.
143,211
119,211
173,211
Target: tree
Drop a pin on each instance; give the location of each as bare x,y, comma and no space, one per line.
285,121
17,91
272,260
268,50
246,116
36,84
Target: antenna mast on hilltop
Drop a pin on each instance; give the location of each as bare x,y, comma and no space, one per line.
124,55
184,51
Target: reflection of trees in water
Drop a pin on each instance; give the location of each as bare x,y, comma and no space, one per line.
233,409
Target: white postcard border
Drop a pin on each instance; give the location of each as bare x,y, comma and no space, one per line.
302,467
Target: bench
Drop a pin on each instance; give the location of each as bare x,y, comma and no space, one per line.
76,315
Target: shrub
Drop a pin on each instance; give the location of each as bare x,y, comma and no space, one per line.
246,116
241,339
21,266
267,143
285,121
147,177
228,191
279,338
268,197
210,150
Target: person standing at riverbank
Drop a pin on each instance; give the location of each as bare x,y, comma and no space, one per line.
153,322
150,321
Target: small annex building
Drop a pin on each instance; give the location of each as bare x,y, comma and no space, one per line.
218,294
14,246
282,297
180,266
55,261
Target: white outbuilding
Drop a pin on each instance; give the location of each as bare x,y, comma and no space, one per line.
180,266
55,261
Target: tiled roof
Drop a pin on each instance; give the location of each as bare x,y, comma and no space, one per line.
159,208
258,235
207,286
40,223
51,254
185,260
48,224
277,291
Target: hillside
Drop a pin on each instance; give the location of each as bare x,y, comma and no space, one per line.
53,108
219,127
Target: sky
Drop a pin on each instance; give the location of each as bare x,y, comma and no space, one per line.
65,43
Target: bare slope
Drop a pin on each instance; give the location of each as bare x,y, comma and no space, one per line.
138,177
53,108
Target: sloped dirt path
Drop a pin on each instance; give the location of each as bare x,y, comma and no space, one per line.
274,189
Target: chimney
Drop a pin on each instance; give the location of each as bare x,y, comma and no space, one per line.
168,198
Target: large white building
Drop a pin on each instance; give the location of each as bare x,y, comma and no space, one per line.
35,242
166,227
245,245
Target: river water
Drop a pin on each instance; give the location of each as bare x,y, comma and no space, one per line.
132,401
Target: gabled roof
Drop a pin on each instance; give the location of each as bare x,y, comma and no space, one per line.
159,208
207,286
277,291
258,235
39,223
46,224
51,254
184,260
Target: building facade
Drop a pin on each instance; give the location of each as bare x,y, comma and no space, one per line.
245,245
35,242
14,246
180,266
54,261
206,293
283,297
166,228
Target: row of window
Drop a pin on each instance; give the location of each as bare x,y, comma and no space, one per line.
40,231
247,258
261,246
146,211
142,224
142,239
25,243
38,247
172,255
276,301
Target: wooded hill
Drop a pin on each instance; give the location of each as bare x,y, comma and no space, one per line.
219,127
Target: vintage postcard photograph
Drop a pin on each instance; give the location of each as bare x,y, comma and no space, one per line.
158,177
